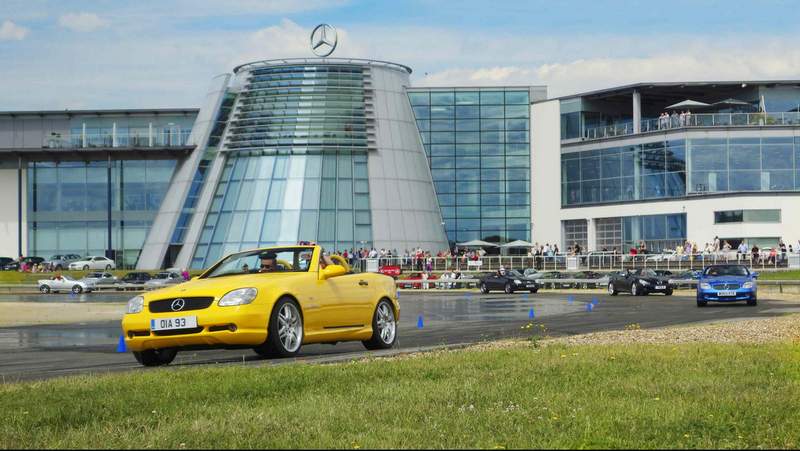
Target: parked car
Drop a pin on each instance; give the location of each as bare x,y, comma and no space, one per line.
64,283
417,276
727,283
508,281
93,262
596,277
136,278
101,278
639,282
390,270
163,279
61,261
537,276
29,261
5,261
681,280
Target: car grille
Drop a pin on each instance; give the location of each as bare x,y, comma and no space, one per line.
165,305
166,333
726,286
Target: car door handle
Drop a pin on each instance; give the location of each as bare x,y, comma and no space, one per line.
363,283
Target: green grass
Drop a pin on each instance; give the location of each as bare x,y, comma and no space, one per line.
16,277
648,396
779,275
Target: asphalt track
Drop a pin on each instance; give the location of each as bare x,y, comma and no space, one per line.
40,352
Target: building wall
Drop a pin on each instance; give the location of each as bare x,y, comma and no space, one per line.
546,171
405,210
700,216
9,220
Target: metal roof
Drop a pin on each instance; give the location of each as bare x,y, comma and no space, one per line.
625,89
115,112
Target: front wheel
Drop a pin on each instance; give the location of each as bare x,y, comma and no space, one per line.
44,289
635,289
753,301
484,288
612,290
384,327
534,290
508,289
701,303
108,267
285,333
668,293
85,267
77,289
156,357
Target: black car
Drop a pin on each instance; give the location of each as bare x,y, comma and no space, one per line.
137,278
639,282
509,281
14,265
5,261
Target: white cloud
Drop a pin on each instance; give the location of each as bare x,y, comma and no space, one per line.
82,22
9,31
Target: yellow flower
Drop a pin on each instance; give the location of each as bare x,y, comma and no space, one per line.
657,399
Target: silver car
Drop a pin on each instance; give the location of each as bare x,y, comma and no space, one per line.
64,283
61,261
163,279
100,278
94,262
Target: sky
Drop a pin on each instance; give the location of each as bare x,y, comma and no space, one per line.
80,54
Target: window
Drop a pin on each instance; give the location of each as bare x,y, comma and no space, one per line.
745,216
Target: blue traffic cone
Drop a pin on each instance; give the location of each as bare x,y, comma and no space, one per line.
531,315
589,307
570,299
121,345
420,324
594,301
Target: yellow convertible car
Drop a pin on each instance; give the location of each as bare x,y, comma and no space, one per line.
272,300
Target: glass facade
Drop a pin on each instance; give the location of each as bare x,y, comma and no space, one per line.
68,206
658,232
670,169
478,147
297,145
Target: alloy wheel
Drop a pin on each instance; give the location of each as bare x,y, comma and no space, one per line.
386,323
290,327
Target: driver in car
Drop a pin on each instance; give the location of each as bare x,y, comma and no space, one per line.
268,262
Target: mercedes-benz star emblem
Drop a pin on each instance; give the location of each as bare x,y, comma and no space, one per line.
178,305
323,40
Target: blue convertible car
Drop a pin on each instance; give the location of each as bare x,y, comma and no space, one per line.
726,283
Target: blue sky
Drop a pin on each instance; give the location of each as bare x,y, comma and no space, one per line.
163,53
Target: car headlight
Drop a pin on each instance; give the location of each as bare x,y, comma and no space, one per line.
705,286
644,282
135,305
747,285
518,282
241,296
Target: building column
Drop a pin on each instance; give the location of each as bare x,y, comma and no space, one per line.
19,206
150,135
109,249
637,112
83,135
114,134
591,236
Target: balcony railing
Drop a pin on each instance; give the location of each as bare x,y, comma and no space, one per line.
162,138
696,120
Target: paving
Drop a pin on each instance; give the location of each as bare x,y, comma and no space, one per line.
45,351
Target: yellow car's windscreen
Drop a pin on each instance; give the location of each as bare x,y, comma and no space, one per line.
263,261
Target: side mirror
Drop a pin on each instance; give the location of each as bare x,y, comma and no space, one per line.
333,271
755,275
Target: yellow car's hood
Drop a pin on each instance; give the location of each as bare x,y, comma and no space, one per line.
219,286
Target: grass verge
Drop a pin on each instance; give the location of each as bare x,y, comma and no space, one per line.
589,396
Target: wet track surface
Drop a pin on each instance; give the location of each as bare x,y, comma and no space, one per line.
36,352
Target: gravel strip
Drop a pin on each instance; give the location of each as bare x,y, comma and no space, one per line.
754,331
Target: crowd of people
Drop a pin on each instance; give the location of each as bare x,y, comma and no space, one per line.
674,120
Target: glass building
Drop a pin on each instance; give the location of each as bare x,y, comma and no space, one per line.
477,141
640,163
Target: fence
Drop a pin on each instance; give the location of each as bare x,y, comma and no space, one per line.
591,261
